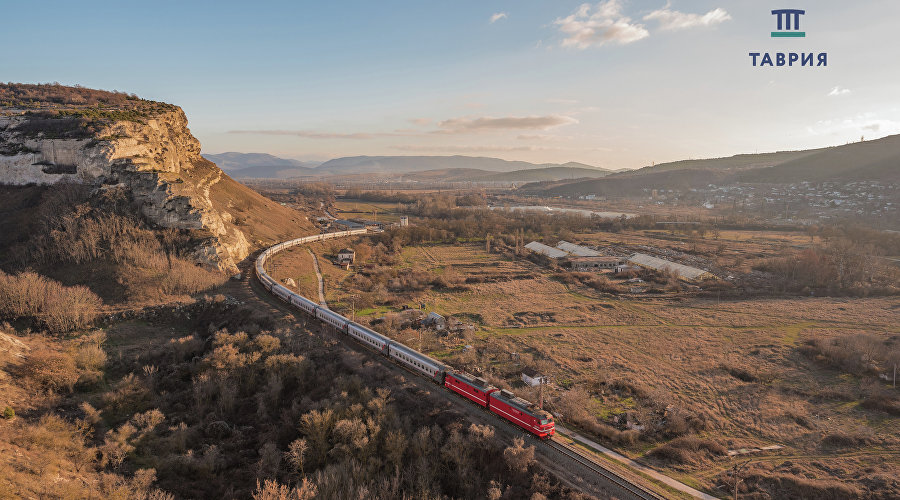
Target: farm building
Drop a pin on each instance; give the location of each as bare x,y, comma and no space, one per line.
369,224
436,320
346,256
596,263
553,253
533,378
655,263
404,220
577,250
344,225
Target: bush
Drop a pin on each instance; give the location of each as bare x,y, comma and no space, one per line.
9,413
51,370
687,450
46,302
882,401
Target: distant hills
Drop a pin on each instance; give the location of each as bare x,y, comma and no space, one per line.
868,160
405,164
409,168
261,165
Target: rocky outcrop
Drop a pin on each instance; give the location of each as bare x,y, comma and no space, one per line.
156,159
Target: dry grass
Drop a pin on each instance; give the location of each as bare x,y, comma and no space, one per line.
733,371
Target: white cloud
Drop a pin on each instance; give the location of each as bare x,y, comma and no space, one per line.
673,20
464,125
595,26
839,91
855,126
498,16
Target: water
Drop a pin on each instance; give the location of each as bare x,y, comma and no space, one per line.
575,211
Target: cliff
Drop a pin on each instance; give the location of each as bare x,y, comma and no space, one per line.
52,134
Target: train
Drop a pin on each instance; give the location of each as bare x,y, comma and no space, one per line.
503,403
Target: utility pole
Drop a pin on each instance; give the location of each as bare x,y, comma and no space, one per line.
541,397
735,471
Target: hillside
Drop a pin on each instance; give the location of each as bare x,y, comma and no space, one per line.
868,160
631,186
736,162
877,160
53,135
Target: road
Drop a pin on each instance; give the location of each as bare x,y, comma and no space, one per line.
319,277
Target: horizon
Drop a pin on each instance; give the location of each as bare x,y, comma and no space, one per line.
554,163
611,84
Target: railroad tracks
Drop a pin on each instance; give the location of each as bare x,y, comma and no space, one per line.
619,485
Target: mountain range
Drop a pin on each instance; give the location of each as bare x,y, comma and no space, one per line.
409,168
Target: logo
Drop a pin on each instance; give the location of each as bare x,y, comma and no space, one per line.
789,27
788,23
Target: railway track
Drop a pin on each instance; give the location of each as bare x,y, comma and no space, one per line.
621,486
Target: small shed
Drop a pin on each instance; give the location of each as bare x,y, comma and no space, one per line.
436,320
346,256
533,378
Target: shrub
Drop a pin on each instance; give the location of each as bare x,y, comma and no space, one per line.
46,302
883,401
9,413
51,370
687,450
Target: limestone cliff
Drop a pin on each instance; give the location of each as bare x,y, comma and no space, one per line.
147,150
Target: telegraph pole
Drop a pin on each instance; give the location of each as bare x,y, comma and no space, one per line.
735,471
541,397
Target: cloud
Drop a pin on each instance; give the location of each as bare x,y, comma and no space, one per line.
854,126
839,91
420,121
311,134
464,125
596,26
498,16
673,20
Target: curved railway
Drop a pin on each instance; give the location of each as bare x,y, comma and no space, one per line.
515,411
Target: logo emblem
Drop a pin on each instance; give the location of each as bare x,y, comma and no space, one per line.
788,23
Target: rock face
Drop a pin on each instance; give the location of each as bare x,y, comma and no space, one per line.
156,159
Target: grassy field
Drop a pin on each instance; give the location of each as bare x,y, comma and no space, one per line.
372,210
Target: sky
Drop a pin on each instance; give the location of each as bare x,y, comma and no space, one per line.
615,84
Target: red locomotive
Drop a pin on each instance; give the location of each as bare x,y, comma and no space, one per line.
519,411
523,413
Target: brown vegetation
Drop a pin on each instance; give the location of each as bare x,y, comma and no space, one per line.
100,241
47,303
272,414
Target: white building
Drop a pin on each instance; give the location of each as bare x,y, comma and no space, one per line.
533,378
